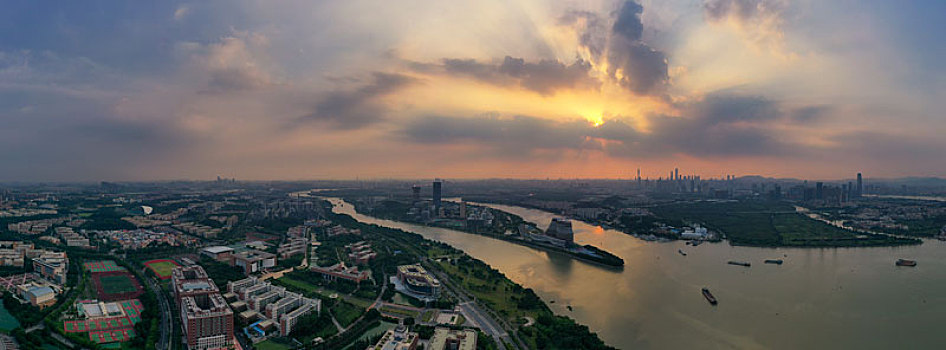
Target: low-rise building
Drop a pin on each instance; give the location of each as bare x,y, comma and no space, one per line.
448,339
396,339
292,247
340,271
52,266
252,261
219,253
41,296
418,281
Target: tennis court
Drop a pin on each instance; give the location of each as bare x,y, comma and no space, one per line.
102,266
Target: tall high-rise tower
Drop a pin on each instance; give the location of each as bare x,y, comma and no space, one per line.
860,186
415,193
438,184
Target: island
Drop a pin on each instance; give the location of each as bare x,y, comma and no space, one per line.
490,222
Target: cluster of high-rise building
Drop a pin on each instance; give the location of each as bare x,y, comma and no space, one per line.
206,319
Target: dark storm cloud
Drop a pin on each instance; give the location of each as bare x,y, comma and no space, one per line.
544,76
718,126
633,63
644,69
352,109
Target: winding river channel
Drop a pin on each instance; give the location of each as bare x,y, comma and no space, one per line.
818,299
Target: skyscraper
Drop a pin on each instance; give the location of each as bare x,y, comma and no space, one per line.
860,186
437,193
819,190
415,193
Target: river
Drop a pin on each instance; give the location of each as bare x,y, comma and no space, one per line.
820,298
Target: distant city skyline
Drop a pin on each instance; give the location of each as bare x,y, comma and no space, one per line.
528,89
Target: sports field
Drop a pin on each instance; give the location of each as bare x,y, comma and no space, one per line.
162,267
110,329
102,266
116,284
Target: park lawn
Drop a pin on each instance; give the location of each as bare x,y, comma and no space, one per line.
346,313
323,293
427,316
496,293
400,312
117,284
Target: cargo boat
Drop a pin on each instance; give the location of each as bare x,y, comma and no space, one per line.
709,296
740,263
773,261
681,252
905,262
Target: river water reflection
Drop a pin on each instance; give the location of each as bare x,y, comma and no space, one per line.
820,298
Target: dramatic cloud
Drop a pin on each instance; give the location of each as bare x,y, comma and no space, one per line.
544,77
351,109
760,20
631,62
192,89
720,125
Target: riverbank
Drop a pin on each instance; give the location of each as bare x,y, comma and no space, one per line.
586,253
508,300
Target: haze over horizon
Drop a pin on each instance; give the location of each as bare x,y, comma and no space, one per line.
95,90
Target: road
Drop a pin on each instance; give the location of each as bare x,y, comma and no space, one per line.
473,312
164,338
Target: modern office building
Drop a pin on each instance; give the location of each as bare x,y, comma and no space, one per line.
418,281
860,186
253,261
191,281
561,229
448,339
438,193
52,266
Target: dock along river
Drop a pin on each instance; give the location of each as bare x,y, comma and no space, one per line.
819,298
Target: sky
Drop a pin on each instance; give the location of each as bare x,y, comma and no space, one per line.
267,90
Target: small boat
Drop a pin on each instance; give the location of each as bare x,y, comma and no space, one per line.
905,262
709,296
773,261
689,243
569,307
740,263
696,243
681,252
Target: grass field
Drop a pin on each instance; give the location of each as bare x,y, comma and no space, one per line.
271,345
346,313
117,284
162,267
